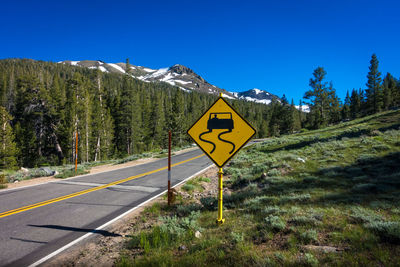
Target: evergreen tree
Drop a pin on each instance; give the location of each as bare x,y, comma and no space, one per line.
301,114
8,149
286,117
355,104
157,122
29,117
333,105
296,126
3,90
178,125
274,122
346,107
389,91
374,100
396,94
128,69
324,103
125,110
319,99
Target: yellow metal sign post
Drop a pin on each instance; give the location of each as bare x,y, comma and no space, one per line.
221,132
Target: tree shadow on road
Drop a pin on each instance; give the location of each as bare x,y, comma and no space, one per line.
74,229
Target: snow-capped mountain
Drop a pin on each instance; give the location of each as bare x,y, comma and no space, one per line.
257,95
177,75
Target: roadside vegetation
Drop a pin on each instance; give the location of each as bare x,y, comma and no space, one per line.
323,197
65,171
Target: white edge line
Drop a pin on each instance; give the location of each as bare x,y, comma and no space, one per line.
80,176
58,251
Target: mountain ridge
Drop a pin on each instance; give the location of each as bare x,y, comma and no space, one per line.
180,76
176,75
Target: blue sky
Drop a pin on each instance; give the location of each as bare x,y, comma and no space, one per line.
235,45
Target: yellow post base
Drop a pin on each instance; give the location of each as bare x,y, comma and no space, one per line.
220,220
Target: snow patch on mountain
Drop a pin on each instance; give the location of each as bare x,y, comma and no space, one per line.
156,74
257,96
257,91
148,70
103,69
227,96
262,101
115,66
182,82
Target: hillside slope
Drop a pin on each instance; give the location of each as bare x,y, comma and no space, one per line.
326,197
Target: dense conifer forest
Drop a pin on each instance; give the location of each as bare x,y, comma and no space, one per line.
44,105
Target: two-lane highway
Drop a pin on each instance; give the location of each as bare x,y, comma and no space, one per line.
38,220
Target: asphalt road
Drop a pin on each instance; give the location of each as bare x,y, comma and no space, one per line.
36,221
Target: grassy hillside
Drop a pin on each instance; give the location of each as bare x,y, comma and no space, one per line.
326,197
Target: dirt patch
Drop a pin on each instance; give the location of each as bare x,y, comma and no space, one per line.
103,250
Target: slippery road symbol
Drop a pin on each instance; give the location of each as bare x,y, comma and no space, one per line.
215,123
221,132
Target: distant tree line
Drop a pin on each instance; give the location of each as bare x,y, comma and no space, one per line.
44,105
326,108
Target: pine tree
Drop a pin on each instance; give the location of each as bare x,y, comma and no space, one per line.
355,104
102,124
128,69
146,121
333,105
274,122
374,101
389,91
29,116
124,122
396,94
78,109
157,122
295,118
286,119
178,118
319,99
301,114
8,149
3,91
346,107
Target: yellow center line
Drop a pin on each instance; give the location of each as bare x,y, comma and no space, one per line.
57,199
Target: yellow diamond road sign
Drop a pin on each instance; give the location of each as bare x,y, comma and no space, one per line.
221,132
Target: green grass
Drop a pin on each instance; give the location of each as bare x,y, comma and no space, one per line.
337,187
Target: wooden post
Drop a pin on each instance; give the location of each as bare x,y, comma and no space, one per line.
169,168
76,151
